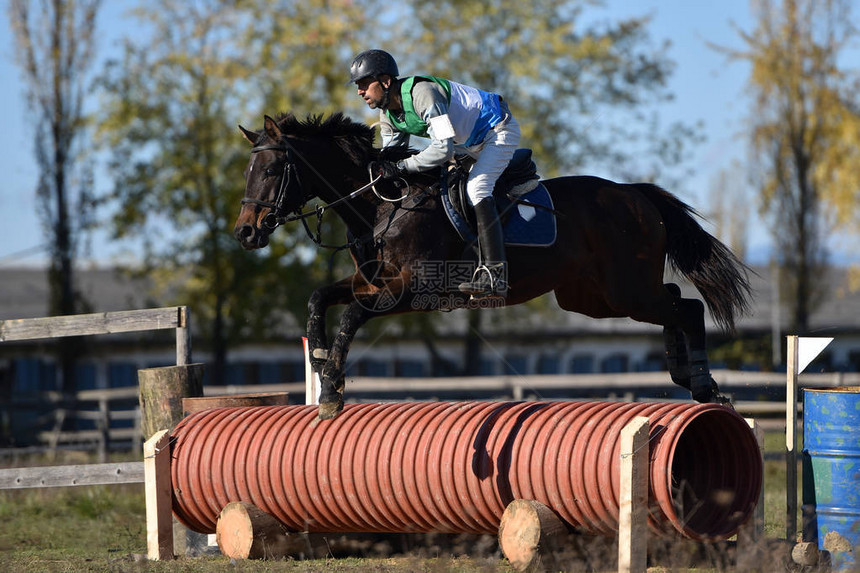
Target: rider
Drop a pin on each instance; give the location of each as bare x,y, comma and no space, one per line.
455,117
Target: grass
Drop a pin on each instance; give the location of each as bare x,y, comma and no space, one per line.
102,528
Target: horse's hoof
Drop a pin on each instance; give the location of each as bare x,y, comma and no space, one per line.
723,401
329,410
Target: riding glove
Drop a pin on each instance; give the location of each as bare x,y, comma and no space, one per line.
387,169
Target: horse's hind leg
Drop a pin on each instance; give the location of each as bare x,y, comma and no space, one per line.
675,343
677,358
686,353
683,321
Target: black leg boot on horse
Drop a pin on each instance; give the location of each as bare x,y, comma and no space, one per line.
491,277
703,387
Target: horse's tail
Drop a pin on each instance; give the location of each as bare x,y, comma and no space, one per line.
720,277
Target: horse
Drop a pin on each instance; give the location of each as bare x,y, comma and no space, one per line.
612,244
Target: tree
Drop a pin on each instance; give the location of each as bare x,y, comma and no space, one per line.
805,134
584,94
172,105
728,211
54,46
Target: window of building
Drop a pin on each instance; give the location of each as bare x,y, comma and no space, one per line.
614,363
86,376
582,364
234,374
374,368
293,371
33,375
549,364
654,362
487,367
409,368
122,374
269,373
515,364
853,361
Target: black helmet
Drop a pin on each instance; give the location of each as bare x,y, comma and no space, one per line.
372,63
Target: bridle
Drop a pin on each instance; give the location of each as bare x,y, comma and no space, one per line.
278,216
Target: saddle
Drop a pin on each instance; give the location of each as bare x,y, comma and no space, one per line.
519,178
524,205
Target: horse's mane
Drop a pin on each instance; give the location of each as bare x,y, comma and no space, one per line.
355,138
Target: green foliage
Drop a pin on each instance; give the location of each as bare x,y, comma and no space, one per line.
583,93
170,110
741,352
805,132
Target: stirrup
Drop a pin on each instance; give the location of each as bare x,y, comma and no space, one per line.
487,281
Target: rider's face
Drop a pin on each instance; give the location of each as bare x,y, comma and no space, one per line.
372,90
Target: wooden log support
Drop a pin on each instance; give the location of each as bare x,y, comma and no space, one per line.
530,534
805,553
161,394
245,531
191,405
633,501
159,494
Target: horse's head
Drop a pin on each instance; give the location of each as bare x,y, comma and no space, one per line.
272,186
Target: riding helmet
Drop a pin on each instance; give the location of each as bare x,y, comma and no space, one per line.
372,63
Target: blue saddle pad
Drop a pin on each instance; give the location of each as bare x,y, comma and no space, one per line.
525,226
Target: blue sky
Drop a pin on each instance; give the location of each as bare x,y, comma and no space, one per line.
707,88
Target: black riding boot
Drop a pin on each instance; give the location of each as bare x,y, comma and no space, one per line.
491,278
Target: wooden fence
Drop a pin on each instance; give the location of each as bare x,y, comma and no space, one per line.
111,409
105,323
97,405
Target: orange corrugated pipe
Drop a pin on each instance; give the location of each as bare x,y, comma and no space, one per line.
454,466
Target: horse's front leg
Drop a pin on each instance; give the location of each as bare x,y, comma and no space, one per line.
319,303
332,379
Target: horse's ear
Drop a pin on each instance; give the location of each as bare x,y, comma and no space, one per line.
249,135
272,129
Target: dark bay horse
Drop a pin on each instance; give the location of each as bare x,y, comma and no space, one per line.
613,241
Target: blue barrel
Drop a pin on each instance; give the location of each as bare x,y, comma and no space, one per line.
831,440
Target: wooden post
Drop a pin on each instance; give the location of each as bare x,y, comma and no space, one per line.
161,394
245,531
183,337
633,501
791,374
529,535
751,534
103,426
159,492
312,379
